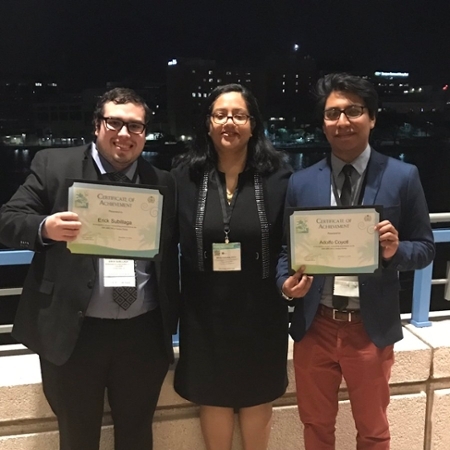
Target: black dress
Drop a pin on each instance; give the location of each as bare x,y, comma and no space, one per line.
233,325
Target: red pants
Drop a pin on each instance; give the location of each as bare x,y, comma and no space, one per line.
332,349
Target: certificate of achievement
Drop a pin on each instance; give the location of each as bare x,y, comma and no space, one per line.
338,241
118,221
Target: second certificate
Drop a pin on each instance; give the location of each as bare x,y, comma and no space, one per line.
334,241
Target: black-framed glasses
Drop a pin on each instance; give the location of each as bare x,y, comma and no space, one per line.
237,118
351,112
115,124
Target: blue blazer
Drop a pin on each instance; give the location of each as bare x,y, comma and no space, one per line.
396,186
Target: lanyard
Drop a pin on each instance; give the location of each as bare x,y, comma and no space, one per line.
261,207
227,209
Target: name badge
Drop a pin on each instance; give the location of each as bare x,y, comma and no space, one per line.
119,272
226,257
346,286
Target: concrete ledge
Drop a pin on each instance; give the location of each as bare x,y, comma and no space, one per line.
436,337
412,360
440,420
421,377
21,395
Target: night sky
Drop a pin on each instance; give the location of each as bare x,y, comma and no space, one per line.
98,40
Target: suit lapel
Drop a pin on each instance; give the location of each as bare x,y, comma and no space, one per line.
374,175
324,184
88,170
146,172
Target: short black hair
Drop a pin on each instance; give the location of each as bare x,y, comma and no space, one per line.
344,82
261,155
119,96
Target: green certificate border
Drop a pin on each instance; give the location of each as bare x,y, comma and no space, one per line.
145,240
340,235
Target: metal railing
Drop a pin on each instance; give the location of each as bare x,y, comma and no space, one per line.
423,281
13,258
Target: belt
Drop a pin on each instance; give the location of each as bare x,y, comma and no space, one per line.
340,316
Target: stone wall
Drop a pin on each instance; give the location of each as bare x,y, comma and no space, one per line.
419,412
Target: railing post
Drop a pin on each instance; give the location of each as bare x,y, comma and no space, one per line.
447,286
423,278
421,297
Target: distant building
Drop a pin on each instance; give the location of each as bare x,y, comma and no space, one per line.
16,105
37,113
290,80
398,94
390,84
190,80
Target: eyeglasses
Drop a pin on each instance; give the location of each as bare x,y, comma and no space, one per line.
351,112
114,124
237,118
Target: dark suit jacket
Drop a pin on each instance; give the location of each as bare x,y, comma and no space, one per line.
396,186
58,286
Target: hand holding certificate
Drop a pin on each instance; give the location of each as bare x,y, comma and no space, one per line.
338,241
120,221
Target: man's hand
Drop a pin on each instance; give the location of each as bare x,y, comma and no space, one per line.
388,239
62,226
298,284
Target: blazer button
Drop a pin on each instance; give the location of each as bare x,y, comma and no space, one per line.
80,314
90,284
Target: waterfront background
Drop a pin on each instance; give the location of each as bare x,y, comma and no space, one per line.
432,157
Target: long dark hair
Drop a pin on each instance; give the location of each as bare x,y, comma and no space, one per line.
261,155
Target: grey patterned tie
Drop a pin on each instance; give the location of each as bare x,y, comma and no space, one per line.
340,302
118,176
124,296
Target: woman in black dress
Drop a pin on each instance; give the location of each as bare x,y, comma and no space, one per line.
233,325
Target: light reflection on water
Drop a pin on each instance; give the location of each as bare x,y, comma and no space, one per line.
149,156
433,162
22,156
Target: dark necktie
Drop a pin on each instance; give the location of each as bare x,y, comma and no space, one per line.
340,302
124,296
346,193
118,176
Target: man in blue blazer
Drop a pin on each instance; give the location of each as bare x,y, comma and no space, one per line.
346,326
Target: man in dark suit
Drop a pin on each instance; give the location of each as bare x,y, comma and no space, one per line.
346,326
87,340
